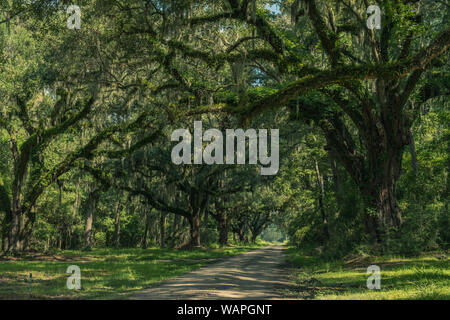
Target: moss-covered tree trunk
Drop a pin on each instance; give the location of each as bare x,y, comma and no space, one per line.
379,193
224,229
16,226
241,232
194,222
198,201
14,231
162,229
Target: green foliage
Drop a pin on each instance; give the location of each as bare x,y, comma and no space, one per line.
90,113
423,277
105,273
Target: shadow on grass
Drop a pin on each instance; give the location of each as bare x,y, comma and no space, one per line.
105,273
401,278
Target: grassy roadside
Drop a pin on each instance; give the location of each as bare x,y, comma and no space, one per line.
105,273
424,277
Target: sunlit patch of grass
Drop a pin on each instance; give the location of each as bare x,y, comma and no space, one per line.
105,273
425,277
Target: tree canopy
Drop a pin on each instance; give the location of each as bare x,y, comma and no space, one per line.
86,118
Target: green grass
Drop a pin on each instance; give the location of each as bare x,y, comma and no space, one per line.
105,273
424,277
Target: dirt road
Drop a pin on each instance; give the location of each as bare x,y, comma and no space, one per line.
255,275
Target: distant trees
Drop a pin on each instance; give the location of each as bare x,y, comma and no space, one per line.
186,191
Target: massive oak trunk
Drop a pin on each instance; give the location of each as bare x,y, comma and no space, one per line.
380,194
198,202
376,180
16,225
16,233
375,166
223,221
224,229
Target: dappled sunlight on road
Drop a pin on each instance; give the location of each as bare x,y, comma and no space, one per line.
253,275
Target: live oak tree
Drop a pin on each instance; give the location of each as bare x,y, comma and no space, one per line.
41,107
361,87
184,190
102,101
